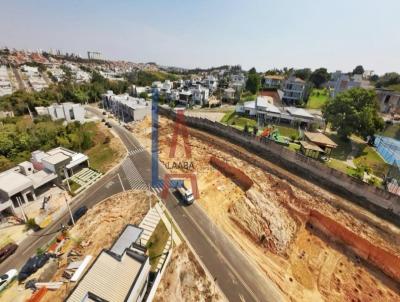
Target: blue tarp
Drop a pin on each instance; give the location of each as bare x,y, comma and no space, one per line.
388,148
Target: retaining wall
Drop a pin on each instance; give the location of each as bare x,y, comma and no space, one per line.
383,259
382,203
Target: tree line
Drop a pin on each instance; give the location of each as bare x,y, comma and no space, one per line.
19,136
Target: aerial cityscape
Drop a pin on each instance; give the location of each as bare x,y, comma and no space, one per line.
213,151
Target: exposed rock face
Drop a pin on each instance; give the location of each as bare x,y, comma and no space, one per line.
265,221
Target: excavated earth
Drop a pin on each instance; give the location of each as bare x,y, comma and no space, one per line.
310,242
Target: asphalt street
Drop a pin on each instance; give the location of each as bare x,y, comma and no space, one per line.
237,275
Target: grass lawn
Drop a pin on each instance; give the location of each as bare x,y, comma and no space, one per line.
227,116
342,150
74,186
392,131
293,147
368,157
318,97
287,131
395,87
156,244
340,166
101,154
238,121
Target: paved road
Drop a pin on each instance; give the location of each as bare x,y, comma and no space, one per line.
236,274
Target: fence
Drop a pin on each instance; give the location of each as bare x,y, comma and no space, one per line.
378,201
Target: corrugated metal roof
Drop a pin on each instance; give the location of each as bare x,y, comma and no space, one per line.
109,278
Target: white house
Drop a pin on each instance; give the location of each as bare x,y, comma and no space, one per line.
65,111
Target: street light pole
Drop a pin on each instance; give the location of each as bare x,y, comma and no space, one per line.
69,209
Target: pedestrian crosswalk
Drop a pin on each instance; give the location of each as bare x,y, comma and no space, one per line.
135,180
136,151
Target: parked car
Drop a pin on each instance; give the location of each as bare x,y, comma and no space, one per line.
32,265
7,278
78,214
7,251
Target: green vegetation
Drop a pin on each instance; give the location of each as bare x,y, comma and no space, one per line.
317,98
319,77
293,147
74,186
19,136
343,149
354,111
253,82
238,121
289,132
227,116
146,78
370,160
392,131
20,101
395,87
390,79
340,166
156,244
247,96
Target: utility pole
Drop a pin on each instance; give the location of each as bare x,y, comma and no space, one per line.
122,185
69,209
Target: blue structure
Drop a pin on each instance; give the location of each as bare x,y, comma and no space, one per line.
388,148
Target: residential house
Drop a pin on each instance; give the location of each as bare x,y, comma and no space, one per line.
66,111
294,90
229,94
200,95
18,185
273,81
341,82
119,274
389,101
264,110
320,140
125,107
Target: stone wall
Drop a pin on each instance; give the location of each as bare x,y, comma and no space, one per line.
383,203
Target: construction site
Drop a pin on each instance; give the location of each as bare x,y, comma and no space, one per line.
313,244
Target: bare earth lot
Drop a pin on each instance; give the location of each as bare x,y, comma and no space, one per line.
270,222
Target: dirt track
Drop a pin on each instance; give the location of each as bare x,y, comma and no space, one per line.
269,222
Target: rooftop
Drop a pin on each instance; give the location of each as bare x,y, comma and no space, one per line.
13,182
320,138
311,146
128,236
56,158
110,277
299,112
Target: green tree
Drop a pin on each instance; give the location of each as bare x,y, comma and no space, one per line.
358,70
303,74
253,82
354,111
319,77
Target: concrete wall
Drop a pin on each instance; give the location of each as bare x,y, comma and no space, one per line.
382,203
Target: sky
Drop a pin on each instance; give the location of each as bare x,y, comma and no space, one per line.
265,34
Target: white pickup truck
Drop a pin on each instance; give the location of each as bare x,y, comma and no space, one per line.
186,195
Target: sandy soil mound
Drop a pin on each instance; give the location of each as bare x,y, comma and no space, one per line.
98,229
185,280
